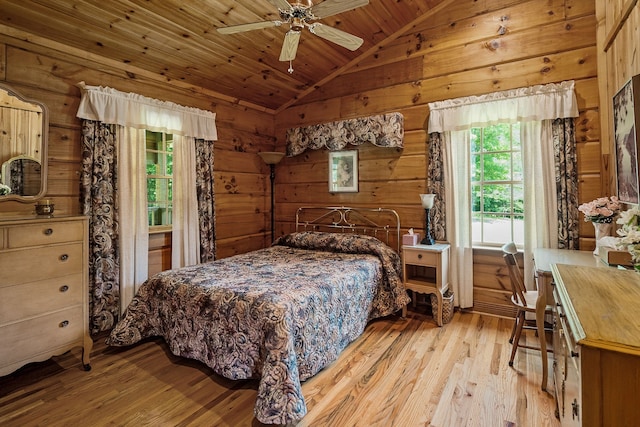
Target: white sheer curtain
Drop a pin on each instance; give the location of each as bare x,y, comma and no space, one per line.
134,114
540,200
535,107
133,217
185,248
457,164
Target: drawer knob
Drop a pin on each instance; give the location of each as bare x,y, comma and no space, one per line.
64,288
419,256
574,353
48,231
64,324
64,257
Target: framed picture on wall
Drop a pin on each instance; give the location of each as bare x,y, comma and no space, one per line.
343,171
626,128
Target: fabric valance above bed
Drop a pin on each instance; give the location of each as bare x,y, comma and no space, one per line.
385,130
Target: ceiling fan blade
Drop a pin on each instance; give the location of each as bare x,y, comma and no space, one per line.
281,4
248,27
290,45
336,36
333,7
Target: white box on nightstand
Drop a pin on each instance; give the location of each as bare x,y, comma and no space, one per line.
410,239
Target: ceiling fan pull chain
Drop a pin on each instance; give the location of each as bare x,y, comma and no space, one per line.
290,70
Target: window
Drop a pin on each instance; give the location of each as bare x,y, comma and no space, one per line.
159,178
497,191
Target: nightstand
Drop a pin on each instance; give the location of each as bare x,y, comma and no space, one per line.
425,270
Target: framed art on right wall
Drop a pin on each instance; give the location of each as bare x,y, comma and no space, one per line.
626,128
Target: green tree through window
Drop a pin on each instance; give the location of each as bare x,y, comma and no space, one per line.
497,191
159,149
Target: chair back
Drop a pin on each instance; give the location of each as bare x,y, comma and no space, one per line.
518,289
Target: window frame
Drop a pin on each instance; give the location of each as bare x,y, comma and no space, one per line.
163,154
511,213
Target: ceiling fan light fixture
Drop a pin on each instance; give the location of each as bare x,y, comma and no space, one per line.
299,14
297,24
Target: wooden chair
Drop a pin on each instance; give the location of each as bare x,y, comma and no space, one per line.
525,302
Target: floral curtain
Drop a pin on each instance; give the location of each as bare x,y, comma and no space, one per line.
566,166
435,185
206,199
115,249
99,180
386,130
16,177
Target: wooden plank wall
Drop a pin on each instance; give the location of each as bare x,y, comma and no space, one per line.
619,60
49,73
481,47
472,47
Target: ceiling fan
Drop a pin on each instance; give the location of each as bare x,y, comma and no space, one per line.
300,14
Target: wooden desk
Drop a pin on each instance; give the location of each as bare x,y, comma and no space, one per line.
543,259
596,346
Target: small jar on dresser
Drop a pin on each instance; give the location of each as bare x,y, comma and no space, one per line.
44,295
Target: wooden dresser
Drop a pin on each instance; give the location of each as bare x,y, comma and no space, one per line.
596,345
43,290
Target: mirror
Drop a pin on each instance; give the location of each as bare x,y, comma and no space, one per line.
24,127
22,175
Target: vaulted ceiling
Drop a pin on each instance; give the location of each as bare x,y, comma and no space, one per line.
178,40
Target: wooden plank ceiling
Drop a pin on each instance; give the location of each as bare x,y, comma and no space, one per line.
177,39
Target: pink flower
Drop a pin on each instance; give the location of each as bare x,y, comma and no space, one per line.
602,209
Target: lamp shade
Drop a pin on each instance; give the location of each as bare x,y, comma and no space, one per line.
271,157
427,200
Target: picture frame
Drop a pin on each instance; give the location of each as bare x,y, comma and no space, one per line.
343,171
626,128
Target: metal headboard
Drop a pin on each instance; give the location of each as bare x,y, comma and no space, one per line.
377,222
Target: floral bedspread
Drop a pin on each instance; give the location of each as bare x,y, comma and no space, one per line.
280,314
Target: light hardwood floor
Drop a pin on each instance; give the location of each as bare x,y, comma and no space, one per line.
400,372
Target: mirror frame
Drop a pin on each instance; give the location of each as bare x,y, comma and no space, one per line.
43,150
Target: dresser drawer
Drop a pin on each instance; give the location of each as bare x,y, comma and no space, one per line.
23,340
32,299
21,236
418,257
30,265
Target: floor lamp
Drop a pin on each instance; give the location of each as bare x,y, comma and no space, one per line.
272,158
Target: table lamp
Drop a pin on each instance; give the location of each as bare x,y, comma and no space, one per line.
427,204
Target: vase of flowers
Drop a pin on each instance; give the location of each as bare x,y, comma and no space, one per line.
629,233
601,213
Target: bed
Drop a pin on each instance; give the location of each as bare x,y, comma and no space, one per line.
278,314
